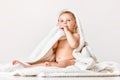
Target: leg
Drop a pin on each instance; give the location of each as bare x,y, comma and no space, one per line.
62,64
47,64
18,62
65,63
32,65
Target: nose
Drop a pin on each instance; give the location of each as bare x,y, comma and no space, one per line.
65,22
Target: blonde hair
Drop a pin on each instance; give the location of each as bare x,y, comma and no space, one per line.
67,12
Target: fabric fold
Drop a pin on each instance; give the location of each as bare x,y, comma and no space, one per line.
85,60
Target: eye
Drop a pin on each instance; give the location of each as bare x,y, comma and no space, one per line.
69,20
61,20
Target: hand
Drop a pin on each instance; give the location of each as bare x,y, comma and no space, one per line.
64,28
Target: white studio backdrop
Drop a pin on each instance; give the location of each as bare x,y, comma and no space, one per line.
24,23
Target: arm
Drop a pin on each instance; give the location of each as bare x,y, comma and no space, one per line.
72,38
55,45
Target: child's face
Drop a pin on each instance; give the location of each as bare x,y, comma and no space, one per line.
67,20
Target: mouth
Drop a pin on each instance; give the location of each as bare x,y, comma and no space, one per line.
62,28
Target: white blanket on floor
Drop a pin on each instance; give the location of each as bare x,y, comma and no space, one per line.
85,60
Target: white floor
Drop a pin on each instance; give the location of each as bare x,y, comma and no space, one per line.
57,78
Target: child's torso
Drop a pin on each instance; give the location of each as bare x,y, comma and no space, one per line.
64,51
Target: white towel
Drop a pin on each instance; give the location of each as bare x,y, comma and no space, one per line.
85,60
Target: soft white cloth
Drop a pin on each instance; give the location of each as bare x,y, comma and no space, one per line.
85,60
44,49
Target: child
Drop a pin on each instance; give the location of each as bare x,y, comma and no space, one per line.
65,46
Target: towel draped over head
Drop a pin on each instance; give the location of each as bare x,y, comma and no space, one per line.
44,51
84,59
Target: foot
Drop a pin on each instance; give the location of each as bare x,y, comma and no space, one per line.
15,62
18,62
47,64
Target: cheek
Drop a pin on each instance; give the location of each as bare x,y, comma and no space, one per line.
60,23
71,25
74,25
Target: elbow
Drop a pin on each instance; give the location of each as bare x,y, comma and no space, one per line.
75,45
